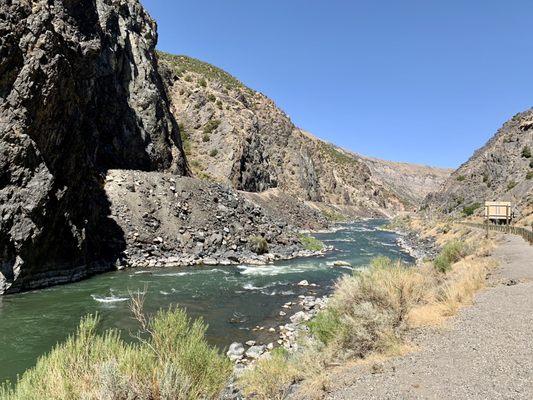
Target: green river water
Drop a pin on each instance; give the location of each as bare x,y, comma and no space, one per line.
231,299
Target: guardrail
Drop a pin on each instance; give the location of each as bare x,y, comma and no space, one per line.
527,234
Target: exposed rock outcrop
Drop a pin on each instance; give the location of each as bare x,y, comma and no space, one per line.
500,170
79,93
237,136
410,182
174,221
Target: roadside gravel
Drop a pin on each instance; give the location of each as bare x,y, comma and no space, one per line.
486,352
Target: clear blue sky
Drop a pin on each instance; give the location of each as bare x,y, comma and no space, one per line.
424,81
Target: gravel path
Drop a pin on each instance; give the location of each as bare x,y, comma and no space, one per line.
486,354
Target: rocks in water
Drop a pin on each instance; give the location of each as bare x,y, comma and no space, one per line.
303,283
235,351
255,352
339,263
250,343
300,317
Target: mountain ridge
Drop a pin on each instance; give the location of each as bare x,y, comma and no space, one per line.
239,136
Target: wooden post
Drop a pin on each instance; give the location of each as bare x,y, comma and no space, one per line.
487,220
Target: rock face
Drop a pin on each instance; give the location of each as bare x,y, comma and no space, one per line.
410,182
500,170
174,221
239,137
79,93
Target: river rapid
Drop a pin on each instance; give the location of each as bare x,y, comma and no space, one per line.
233,300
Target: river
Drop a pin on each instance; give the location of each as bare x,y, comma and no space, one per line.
231,299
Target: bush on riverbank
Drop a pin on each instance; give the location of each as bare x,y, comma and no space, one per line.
451,253
311,243
270,378
172,361
368,310
369,314
258,244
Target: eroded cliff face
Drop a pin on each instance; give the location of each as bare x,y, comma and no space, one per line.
410,182
500,170
239,137
79,93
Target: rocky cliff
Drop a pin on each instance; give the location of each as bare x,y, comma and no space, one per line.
79,93
410,182
239,137
500,170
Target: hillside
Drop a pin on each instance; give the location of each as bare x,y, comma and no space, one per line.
501,170
411,182
237,136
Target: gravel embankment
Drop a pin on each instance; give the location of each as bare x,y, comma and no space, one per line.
486,352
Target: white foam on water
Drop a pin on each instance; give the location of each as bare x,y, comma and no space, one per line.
174,274
199,271
272,270
109,299
250,286
164,293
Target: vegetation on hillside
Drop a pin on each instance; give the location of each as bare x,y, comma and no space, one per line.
335,155
469,210
182,64
171,360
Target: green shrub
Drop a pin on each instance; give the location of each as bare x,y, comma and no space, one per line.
185,63
529,175
202,82
211,97
173,361
185,139
206,137
461,178
258,244
511,185
526,152
311,243
451,253
326,325
211,126
469,210
270,378
213,153
368,310
219,104
188,78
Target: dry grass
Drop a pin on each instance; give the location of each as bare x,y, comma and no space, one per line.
270,378
370,312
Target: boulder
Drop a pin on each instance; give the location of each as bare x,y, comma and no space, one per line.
235,351
255,351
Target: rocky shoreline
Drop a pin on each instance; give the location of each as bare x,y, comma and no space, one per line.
296,315
418,247
171,221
